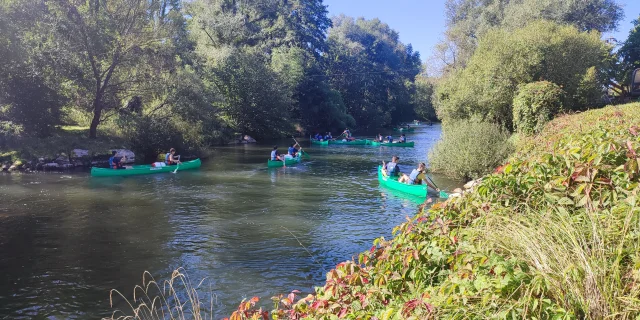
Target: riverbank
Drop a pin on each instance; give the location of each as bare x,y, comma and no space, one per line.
554,233
66,149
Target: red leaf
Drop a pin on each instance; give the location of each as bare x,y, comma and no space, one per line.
343,312
634,131
632,152
254,299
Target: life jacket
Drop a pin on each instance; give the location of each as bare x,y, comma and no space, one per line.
112,164
392,169
166,158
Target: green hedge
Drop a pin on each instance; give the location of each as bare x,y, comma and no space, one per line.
535,104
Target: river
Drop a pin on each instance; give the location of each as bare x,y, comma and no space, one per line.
67,239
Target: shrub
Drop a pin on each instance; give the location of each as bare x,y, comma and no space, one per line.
536,104
470,149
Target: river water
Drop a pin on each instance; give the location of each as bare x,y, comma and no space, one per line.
67,239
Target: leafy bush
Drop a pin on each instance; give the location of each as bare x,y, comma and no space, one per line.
536,104
469,149
505,59
149,136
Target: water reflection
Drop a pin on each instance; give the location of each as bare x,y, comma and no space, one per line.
66,240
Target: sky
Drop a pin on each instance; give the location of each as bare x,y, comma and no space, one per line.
422,22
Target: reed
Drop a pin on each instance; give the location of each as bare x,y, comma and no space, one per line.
175,299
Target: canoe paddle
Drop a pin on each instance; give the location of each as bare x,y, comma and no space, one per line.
301,151
442,193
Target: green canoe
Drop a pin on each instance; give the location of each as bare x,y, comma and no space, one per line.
415,190
321,143
404,129
351,143
143,169
278,164
397,144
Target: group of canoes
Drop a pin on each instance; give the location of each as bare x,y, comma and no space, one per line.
347,139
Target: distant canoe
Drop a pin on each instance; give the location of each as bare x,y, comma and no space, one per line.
398,144
351,143
320,143
404,129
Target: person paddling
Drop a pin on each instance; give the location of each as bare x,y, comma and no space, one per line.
292,150
390,139
171,159
403,138
275,156
391,169
417,176
116,162
328,136
379,138
347,133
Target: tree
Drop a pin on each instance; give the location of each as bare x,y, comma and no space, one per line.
506,59
629,53
469,20
253,99
30,93
422,98
103,46
373,71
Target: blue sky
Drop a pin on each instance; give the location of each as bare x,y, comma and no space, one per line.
421,22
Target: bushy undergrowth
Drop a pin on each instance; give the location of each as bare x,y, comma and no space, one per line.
469,149
535,104
552,234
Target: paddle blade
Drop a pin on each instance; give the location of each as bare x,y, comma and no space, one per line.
444,195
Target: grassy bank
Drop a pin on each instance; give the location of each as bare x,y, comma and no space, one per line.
61,142
553,234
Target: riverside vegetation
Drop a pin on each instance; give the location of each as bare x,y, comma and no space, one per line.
554,233
147,75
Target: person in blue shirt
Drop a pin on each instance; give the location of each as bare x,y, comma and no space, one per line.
292,150
403,138
318,136
391,168
418,176
328,136
275,156
116,162
390,139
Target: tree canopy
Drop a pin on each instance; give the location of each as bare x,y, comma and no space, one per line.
199,70
505,59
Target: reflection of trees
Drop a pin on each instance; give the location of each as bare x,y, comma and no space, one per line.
70,245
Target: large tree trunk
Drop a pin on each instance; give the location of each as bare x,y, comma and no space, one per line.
97,113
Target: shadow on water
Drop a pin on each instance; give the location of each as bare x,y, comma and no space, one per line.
66,240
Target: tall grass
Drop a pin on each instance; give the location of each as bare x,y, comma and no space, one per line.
583,259
175,299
